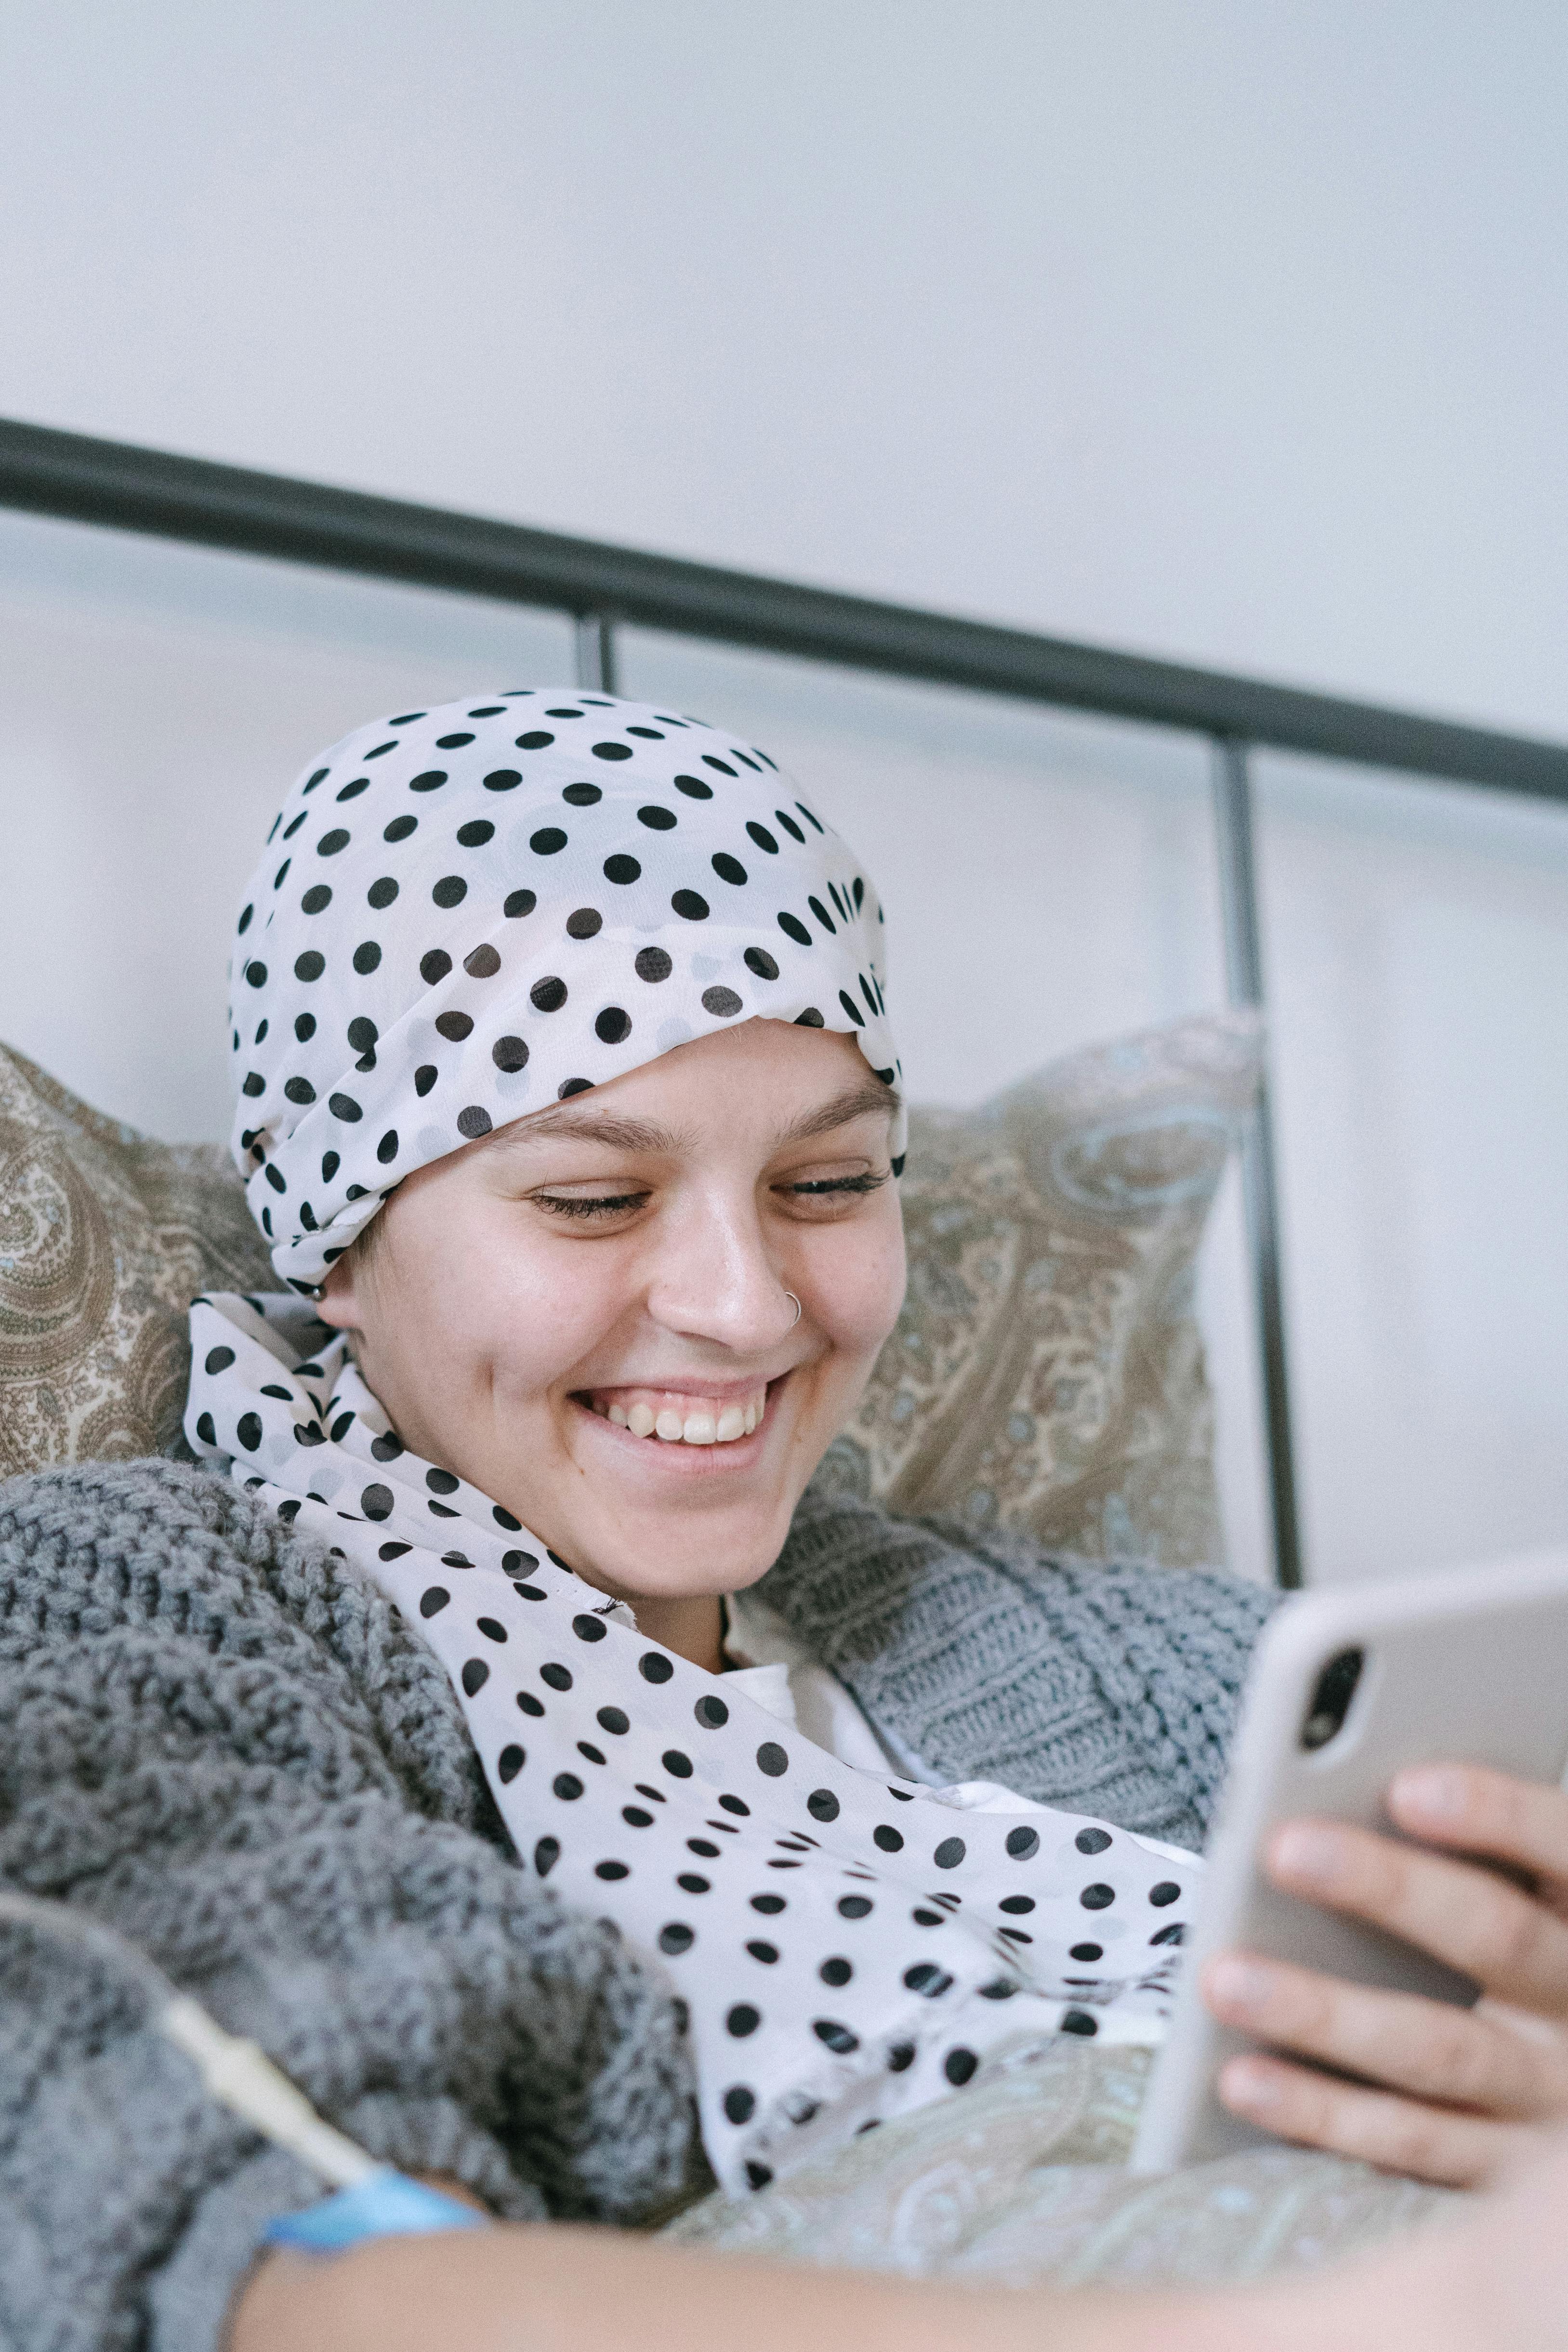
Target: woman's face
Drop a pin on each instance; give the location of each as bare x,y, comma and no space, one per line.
586,1314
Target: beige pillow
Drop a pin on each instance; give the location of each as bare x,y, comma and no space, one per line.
105,1238
1046,1372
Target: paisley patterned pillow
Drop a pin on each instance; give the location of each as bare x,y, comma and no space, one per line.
104,1239
1046,1372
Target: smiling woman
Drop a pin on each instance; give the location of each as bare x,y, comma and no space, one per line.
506,1725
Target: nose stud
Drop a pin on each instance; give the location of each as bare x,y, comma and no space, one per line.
790,1296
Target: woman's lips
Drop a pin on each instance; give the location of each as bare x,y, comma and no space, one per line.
681,1416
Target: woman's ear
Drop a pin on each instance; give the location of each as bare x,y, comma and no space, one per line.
338,1302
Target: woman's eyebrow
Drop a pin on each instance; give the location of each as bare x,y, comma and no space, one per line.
592,1127
870,1099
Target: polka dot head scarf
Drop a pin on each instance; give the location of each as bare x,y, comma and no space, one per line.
468,913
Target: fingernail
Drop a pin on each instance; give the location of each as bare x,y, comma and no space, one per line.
1238,1984
1436,1789
1303,1850
1244,2084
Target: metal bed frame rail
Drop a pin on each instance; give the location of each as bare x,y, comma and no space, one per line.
120,487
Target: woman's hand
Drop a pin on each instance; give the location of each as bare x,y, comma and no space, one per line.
1458,2094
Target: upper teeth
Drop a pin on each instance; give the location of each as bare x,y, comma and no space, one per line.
699,1427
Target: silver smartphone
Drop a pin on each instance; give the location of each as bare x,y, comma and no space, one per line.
1347,1688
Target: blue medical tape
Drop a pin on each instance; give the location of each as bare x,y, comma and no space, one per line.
385,2204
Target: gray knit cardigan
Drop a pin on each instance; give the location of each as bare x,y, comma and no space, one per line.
220,1738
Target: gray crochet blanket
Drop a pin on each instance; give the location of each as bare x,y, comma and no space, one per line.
214,1735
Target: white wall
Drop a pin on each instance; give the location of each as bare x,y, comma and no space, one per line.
1223,332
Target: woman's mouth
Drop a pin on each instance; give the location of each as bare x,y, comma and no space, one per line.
678,1416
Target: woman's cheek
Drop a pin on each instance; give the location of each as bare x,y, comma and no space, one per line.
858,1280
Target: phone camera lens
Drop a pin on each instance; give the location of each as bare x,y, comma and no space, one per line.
1332,1696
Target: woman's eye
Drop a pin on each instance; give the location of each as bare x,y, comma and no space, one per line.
585,1204
827,1187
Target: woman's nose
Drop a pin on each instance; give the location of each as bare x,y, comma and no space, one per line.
714,1278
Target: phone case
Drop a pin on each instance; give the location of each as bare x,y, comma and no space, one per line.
1468,1666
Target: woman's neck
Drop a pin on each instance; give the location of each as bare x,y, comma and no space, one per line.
691,1625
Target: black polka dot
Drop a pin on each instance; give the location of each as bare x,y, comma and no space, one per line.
584,923
376,1502
1078,2020
657,820
206,1429
351,792
653,964
812,1019
838,2037
547,995
429,779
476,833
475,1675
612,1025
959,2065
772,1759
345,1107
613,751
694,788
727,868
310,965
835,1972
580,795
450,891
768,1905
455,1026
927,1978
567,1787
654,1667
1093,1841
743,2020
367,956
386,1149
518,902
710,1712
733,1804
1018,1904
535,740
1088,1951
570,1087
621,868
548,839
399,828
332,843
739,2104
218,1360
388,1447
424,1077
341,1427
546,1853
766,1953
691,1882
503,780
722,1003
434,966
855,1907
901,2057
1167,1891
587,1628
611,1719
690,905
1022,1843
530,1704
762,837
758,960
924,1918
482,962
243,923
795,928
472,1122
1173,1934
316,899
888,1839
509,1763
949,1853
673,1761
509,1053
1098,1898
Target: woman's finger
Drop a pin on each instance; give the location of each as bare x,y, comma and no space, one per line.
1508,1941
1477,1811
1426,2048
1376,2127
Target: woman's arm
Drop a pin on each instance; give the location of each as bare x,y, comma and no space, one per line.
1499,2279
215,1739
